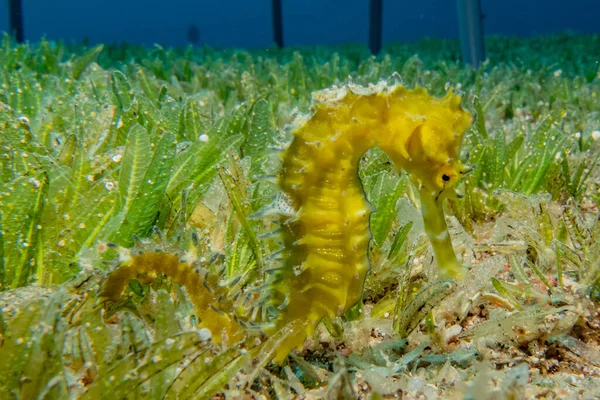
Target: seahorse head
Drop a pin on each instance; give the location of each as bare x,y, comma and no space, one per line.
424,135
433,157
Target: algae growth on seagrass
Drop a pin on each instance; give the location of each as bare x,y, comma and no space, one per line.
167,221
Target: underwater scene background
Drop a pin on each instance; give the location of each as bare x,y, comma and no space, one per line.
248,24
372,208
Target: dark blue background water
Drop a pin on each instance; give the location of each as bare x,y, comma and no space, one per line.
247,23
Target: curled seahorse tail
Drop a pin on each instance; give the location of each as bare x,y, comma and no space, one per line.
147,266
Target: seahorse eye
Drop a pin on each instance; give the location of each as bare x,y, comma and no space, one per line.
445,177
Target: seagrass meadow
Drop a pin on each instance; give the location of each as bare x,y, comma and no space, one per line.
114,155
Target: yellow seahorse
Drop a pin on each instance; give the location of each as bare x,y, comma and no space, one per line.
328,236
326,228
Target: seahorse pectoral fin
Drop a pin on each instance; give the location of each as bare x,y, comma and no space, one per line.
437,231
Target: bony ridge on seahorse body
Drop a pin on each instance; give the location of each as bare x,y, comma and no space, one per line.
326,236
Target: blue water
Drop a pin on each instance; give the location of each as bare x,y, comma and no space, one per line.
247,23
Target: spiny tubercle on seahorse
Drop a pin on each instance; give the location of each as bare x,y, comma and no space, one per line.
326,237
